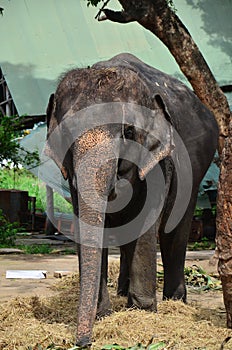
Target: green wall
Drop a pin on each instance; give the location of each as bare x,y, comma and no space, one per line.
42,38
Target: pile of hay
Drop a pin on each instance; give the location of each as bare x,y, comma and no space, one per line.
37,323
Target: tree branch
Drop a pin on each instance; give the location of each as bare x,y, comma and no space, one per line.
28,122
101,9
117,16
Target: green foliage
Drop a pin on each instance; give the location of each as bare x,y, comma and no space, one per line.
24,180
214,209
197,278
21,179
198,212
203,244
93,2
7,231
8,146
51,347
154,346
171,5
68,251
36,249
44,249
11,150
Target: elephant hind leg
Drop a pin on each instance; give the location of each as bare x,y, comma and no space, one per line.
173,247
123,279
173,250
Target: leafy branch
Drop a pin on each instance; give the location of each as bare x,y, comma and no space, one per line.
11,150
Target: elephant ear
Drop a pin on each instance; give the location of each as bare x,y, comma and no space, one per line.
159,140
50,109
54,144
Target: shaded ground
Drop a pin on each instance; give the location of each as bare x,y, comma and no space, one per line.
10,288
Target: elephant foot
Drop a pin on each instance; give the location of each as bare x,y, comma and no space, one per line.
84,343
178,294
123,287
103,313
122,292
104,305
141,302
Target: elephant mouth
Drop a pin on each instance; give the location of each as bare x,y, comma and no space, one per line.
112,195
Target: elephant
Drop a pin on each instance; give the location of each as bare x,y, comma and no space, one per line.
124,132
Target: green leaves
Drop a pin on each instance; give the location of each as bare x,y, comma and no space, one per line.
139,346
197,278
11,149
7,231
113,347
156,346
93,2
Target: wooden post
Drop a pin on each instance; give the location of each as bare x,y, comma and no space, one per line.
50,228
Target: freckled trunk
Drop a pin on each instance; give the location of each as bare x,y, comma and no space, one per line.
94,182
90,270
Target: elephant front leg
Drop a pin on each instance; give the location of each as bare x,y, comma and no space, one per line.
142,288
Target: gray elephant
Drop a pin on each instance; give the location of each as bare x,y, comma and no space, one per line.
134,144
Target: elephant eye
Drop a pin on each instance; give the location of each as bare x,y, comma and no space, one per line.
129,132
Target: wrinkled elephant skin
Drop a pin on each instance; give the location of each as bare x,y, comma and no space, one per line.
152,143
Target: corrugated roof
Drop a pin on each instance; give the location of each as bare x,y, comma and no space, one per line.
41,39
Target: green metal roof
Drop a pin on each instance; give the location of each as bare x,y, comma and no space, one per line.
42,38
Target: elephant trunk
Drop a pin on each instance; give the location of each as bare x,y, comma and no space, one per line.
95,175
90,257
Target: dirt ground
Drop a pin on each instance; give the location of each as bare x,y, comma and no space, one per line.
11,288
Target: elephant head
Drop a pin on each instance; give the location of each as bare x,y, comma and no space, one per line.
93,120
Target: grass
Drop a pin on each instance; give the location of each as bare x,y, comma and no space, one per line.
44,249
22,179
36,249
204,244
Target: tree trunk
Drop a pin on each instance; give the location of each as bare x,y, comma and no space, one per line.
224,225
161,20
